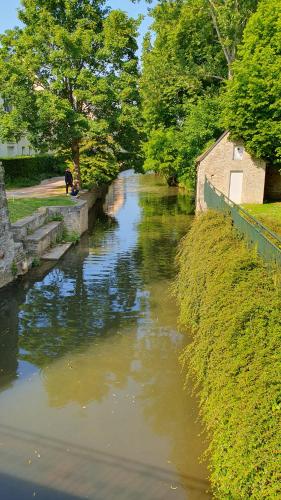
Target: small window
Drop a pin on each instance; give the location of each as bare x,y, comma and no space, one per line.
238,153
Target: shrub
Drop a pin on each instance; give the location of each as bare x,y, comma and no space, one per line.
97,170
231,302
32,167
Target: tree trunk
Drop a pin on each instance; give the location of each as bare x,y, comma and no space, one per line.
75,154
172,180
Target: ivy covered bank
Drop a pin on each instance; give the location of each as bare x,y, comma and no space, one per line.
231,302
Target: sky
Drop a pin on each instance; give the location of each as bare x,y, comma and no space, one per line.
8,13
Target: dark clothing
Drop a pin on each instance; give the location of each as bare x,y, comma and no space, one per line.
74,191
68,180
68,177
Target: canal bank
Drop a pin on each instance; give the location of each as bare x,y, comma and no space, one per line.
230,302
92,402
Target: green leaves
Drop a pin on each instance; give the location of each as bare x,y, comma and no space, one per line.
253,97
71,67
231,301
187,57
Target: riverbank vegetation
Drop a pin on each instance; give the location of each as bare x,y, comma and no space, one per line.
230,301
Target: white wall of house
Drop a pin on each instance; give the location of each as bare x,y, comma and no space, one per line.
232,171
12,149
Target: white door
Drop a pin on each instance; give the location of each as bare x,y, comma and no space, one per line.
235,186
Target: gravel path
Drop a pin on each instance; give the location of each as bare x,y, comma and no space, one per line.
50,187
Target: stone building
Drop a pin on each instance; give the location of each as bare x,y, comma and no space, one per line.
233,171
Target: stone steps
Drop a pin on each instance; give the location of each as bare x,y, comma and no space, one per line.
56,252
43,238
26,226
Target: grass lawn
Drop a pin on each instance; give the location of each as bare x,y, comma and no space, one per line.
22,207
268,214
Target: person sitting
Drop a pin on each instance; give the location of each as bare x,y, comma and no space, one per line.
75,189
68,179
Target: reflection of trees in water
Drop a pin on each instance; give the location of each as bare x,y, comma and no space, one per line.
78,316
9,334
167,202
96,373
165,220
71,307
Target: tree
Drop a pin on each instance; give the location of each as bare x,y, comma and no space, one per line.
229,18
182,68
252,101
69,75
186,61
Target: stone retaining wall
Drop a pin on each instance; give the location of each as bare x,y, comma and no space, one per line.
7,245
15,259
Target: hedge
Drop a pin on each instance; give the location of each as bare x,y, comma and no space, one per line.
231,303
32,167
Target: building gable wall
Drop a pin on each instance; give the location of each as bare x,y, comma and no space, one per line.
218,164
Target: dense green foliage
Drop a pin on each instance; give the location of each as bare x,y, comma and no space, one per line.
68,78
253,99
186,60
32,169
231,302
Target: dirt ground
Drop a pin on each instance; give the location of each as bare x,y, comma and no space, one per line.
49,187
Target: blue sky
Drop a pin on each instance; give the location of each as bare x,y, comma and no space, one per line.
8,12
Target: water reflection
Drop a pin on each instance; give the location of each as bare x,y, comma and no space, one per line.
8,339
91,359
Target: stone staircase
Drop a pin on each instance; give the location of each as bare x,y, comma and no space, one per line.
44,237
41,236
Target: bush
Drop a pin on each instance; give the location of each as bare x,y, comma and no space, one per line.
32,167
97,170
231,302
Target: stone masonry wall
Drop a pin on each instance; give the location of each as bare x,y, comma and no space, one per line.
7,245
218,164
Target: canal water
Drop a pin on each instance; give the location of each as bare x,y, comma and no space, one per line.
91,395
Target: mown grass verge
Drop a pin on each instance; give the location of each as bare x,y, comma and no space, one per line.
231,302
23,207
268,214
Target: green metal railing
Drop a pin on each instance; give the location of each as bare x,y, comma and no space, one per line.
267,243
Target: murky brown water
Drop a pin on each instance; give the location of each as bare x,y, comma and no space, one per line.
92,402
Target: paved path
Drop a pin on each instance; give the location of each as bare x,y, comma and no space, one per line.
50,187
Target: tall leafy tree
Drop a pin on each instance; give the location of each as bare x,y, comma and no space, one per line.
253,97
181,67
229,18
69,75
186,61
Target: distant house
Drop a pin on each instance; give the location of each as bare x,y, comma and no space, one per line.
12,149
233,171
